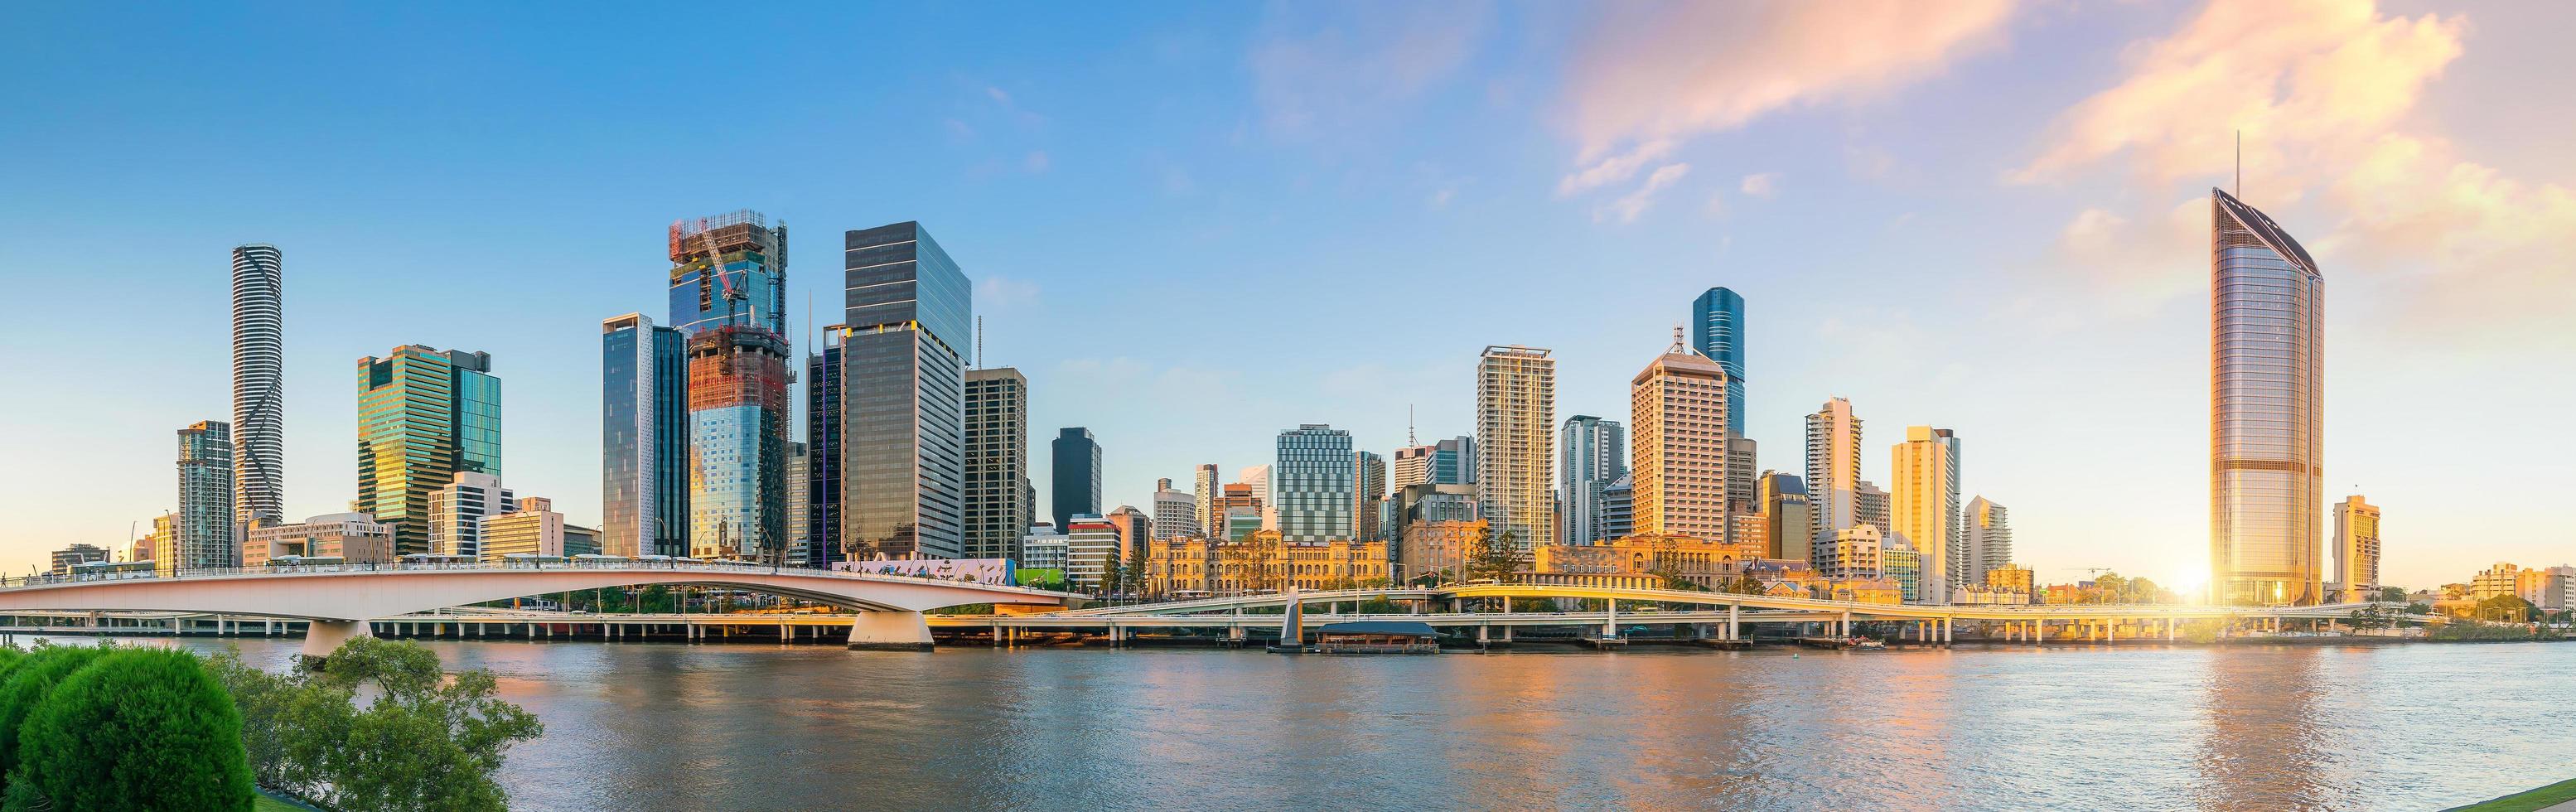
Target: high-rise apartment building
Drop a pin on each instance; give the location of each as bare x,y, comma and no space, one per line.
1516,442
1371,477
457,511
902,395
1789,529
1870,506
1314,485
823,452
2356,548
997,462
1833,468
644,438
738,415
1619,507
1717,332
800,526
1678,406
424,416
2266,410
1989,539
1176,514
1205,488
730,269
1412,467
1924,506
259,385
1595,454
1076,489
1257,477
203,536
1453,461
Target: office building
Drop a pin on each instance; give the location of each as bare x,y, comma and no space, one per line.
1619,507
457,511
1790,520
644,438
1899,561
2356,549
532,528
1135,528
1257,477
1854,553
997,462
902,396
2501,580
205,530
1239,500
1204,490
1516,443
738,415
1371,476
161,545
1453,461
1042,548
424,416
730,269
1314,485
1989,539
1175,513
1595,454
1077,475
823,452
1833,469
259,386
1092,553
1412,466
1717,333
1924,504
354,538
1678,406
1870,506
68,557
800,536
2267,410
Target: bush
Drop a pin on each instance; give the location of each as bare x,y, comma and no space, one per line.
34,677
136,729
428,739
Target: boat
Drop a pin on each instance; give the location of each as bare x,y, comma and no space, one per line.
1867,644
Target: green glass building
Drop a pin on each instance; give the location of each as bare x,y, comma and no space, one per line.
424,416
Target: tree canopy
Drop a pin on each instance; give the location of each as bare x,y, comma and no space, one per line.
134,729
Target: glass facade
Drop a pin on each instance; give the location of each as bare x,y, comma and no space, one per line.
1314,485
259,398
751,287
1076,486
203,534
424,416
997,462
823,452
644,419
902,396
738,413
2266,410
1595,454
1717,331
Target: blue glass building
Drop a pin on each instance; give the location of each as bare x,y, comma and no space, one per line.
905,328
728,269
1717,331
1314,485
644,438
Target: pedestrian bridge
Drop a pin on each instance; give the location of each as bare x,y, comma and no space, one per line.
339,599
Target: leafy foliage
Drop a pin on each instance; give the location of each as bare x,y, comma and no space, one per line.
134,729
428,740
29,683
1497,557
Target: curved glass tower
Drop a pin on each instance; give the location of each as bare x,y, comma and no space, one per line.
259,363
2266,410
1717,331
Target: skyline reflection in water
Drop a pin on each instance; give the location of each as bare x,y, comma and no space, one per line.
669,726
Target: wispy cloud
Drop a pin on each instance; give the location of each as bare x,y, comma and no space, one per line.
1629,206
1761,184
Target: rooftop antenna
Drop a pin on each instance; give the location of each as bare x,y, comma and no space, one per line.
2240,165
979,342
1408,426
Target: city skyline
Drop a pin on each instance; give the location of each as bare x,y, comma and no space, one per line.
351,293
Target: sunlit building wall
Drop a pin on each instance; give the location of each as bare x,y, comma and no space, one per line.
2356,548
1595,453
1833,469
738,414
644,438
1923,505
2266,410
259,385
907,319
1990,542
424,416
1516,443
1717,332
205,529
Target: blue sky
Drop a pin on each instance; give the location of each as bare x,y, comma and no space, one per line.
1194,226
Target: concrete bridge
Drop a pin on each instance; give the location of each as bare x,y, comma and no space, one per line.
339,600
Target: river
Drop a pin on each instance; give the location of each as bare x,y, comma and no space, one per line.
667,726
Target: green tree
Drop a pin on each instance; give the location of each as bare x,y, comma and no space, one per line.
292,728
2507,608
29,683
427,740
135,729
2392,594
1493,556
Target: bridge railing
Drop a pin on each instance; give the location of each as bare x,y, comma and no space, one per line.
518,564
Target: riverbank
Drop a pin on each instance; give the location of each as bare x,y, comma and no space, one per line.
2550,797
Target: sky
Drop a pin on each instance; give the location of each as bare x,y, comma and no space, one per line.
1193,226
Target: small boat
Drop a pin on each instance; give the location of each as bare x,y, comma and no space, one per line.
1866,644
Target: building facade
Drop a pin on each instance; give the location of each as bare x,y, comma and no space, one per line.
1681,466
644,438
902,396
1516,442
823,451
1990,542
1788,532
997,462
259,385
65,558
1595,453
2356,549
1370,473
1924,506
1076,484
1260,564
730,269
1833,469
457,511
1717,332
205,529
2266,410
1205,487
738,415
424,416
354,538
1871,506
531,528
1314,484
1175,513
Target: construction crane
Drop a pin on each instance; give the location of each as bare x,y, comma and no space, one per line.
715,265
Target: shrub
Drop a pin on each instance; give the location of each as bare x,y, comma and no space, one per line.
427,739
136,729
27,685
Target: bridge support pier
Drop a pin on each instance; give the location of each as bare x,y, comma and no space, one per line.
890,631
321,637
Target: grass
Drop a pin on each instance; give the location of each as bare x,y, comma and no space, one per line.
2527,800
264,802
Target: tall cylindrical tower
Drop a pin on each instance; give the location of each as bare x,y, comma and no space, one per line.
259,378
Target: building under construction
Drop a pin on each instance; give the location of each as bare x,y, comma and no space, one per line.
745,282
728,297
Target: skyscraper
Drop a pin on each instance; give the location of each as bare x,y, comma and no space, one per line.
1870,507
902,396
1077,475
800,526
1990,544
997,462
1453,461
1314,485
644,438
1372,490
1257,477
1175,513
728,269
1204,490
1833,468
1717,331
738,414
1412,466
1678,404
1595,454
203,535
424,416
1790,518
2356,549
1515,439
2266,409
1924,506
259,383
823,451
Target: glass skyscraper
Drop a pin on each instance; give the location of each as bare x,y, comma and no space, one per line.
1076,487
644,438
823,451
738,413
424,416
2266,410
1717,331
1595,454
1314,485
997,462
903,395
203,536
259,384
